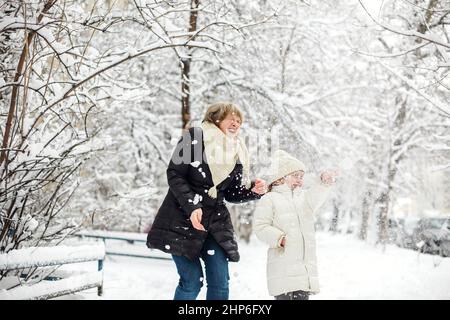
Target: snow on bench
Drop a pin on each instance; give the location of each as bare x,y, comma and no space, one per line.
54,256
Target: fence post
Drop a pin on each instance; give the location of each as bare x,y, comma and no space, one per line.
100,268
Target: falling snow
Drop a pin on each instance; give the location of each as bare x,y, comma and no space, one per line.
387,156
197,198
195,164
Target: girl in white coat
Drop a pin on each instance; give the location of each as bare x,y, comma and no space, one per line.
284,220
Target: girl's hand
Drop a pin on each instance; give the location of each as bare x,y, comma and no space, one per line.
260,186
328,177
283,242
196,218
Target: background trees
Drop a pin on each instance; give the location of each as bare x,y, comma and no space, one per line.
93,95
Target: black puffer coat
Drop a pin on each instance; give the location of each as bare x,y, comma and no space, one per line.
189,182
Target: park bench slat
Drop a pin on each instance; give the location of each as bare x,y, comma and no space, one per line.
50,256
45,257
52,289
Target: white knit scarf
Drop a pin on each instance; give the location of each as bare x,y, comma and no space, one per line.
222,153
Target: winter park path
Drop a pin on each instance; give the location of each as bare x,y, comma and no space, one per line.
348,269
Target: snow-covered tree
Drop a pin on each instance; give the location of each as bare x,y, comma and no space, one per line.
55,89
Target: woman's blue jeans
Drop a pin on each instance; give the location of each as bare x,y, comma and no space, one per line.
191,273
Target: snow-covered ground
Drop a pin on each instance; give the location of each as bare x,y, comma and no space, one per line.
348,269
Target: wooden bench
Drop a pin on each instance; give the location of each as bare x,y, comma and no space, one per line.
59,283
130,238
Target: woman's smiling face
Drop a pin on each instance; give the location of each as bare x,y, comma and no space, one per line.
231,124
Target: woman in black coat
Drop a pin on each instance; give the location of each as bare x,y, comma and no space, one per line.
209,166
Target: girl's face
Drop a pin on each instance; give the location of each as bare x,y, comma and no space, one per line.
230,125
295,179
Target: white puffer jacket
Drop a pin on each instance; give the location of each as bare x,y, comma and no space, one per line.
283,212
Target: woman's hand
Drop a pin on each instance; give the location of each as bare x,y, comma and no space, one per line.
260,186
196,218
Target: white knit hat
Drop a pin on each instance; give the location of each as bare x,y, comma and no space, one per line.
282,165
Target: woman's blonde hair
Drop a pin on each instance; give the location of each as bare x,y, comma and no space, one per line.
220,110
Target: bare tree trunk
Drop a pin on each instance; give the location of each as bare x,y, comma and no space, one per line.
385,197
19,70
383,217
423,27
5,46
367,206
186,69
284,56
335,218
365,217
